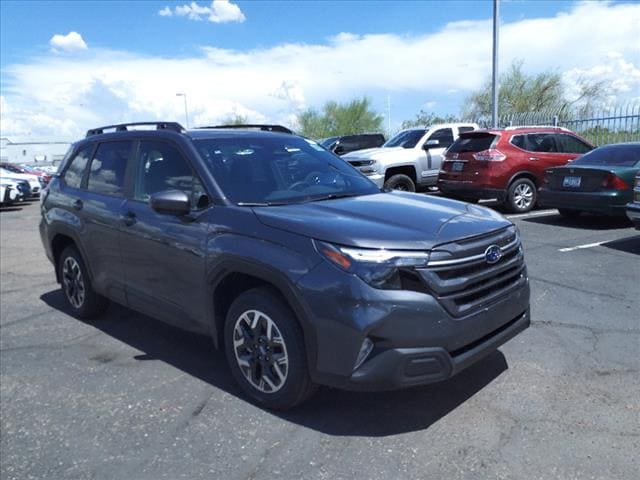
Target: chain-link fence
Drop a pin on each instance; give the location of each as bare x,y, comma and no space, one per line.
617,124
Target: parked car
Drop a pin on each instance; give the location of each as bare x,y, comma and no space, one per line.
8,193
20,186
633,208
351,143
507,164
36,183
15,168
600,181
411,158
296,264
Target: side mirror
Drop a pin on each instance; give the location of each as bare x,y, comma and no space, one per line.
431,144
173,202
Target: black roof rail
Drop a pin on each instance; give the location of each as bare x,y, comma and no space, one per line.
123,127
256,126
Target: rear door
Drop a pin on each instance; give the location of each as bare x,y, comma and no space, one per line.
541,153
164,254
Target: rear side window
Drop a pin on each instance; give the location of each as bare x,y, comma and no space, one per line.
570,144
444,136
74,173
476,142
106,174
540,142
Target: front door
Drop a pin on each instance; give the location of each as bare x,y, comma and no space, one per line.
434,154
164,254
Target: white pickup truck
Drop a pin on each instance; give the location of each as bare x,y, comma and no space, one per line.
411,158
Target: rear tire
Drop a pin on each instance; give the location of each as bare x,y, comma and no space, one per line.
76,285
521,196
400,182
265,350
568,213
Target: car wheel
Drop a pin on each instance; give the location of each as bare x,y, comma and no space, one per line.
265,350
522,196
401,182
76,286
568,213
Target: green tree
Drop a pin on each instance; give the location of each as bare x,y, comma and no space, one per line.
235,119
356,116
520,92
424,118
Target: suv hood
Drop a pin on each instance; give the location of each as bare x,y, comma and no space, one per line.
395,220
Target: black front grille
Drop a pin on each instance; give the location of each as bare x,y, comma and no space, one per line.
464,282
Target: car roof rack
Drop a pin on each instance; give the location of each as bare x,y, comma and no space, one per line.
523,127
124,127
252,126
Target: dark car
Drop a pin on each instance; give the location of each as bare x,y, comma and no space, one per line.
507,164
633,208
600,181
351,143
294,262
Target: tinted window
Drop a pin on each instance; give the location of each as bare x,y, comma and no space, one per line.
519,141
444,136
540,142
106,174
279,169
406,138
570,144
614,155
74,173
475,142
465,129
161,167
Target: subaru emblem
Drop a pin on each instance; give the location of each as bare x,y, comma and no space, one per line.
492,254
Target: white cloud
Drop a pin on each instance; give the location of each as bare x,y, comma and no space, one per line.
272,84
220,11
71,42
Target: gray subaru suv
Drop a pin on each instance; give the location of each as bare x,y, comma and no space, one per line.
297,265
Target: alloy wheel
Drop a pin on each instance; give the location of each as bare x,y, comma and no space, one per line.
523,196
72,282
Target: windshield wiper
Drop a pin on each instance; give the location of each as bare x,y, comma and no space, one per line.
261,204
333,196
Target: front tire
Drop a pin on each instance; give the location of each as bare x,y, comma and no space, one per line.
265,350
400,182
521,196
76,285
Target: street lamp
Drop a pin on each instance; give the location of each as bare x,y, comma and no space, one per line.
186,111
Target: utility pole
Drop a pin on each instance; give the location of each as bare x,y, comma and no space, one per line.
388,114
186,111
494,76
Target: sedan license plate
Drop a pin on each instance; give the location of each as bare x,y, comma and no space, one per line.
457,166
573,182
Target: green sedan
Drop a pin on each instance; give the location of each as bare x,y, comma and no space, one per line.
600,181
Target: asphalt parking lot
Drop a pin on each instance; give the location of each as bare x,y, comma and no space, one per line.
129,397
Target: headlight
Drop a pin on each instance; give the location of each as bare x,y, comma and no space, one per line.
380,268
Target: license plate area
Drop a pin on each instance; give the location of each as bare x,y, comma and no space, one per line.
571,182
457,166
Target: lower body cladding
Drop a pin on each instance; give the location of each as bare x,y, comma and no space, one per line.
470,190
407,338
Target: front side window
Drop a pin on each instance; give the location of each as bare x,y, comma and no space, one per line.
106,174
162,167
444,137
276,170
570,144
74,173
406,138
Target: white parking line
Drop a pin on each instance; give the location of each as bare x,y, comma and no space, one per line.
538,213
580,247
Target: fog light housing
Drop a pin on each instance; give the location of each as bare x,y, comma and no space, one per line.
365,350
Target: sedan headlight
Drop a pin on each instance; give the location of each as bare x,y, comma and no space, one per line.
380,268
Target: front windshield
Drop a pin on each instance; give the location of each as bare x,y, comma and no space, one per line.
406,138
611,156
279,170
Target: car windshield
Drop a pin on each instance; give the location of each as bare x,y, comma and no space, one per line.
276,170
327,142
613,155
406,138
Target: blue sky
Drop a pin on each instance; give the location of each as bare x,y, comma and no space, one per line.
270,60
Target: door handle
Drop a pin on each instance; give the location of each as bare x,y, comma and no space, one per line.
129,218
77,204
534,158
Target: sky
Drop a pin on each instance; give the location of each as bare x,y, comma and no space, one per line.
66,67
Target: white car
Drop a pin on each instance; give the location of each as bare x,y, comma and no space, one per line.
8,192
35,182
411,158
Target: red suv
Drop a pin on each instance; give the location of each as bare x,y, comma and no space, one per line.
507,164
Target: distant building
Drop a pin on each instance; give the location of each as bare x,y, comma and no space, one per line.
46,153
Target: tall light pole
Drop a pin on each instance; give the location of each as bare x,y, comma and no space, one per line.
186,111
494,76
